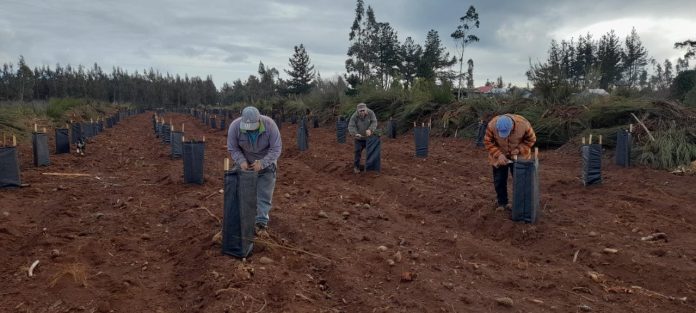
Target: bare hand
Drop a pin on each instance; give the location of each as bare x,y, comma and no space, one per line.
368,132
502,160
244,166
257,166
358,136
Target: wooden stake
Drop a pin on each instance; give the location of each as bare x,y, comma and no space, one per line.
66,126
630,128
36,130
590,140
182,127
14,140
227,164
600,140
44,130
67,174
536,153
583,141
183,139
423,124
203,138
414,124
172,127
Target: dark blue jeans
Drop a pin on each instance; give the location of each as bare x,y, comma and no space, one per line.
360,145
500,177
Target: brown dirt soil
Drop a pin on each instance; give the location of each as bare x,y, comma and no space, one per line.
134,238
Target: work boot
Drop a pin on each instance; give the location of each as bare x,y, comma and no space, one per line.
260,229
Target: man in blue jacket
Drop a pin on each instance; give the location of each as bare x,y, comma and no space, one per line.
254,142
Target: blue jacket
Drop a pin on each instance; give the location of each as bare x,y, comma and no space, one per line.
267,148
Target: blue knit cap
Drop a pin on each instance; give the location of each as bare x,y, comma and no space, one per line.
504,126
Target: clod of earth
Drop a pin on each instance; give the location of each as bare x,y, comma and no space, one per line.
382,248
265,260
610,250
217,238
585,308
505,301
397,256
323,214
655,236
407,276
390,262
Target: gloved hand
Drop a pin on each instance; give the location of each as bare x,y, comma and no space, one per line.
368,132
244,166
502,160
256,166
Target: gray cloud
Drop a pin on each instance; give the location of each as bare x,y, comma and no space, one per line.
228,38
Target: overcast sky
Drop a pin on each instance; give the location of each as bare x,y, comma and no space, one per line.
228,38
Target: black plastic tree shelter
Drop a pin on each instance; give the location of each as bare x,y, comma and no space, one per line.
591,163
39,144
315,121
62,140
481,133
9,167
373,159
391,128
193,155
525,186
421,135
623,148
341,130
176,143
213,123
76,132
166,133
302,138
239,213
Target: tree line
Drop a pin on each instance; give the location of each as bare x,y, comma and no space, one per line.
607,63
149,87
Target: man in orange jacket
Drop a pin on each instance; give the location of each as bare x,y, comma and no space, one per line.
508,136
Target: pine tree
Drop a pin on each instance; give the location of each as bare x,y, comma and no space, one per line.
634,58
409,55
464,37
609,56
435,58
301,73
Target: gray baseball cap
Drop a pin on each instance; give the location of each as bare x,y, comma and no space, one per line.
250,118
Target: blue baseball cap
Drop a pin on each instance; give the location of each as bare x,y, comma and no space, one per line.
504,126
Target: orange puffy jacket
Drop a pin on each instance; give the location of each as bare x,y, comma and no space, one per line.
520,141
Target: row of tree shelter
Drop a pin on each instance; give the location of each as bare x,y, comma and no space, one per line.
192,152
10,171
